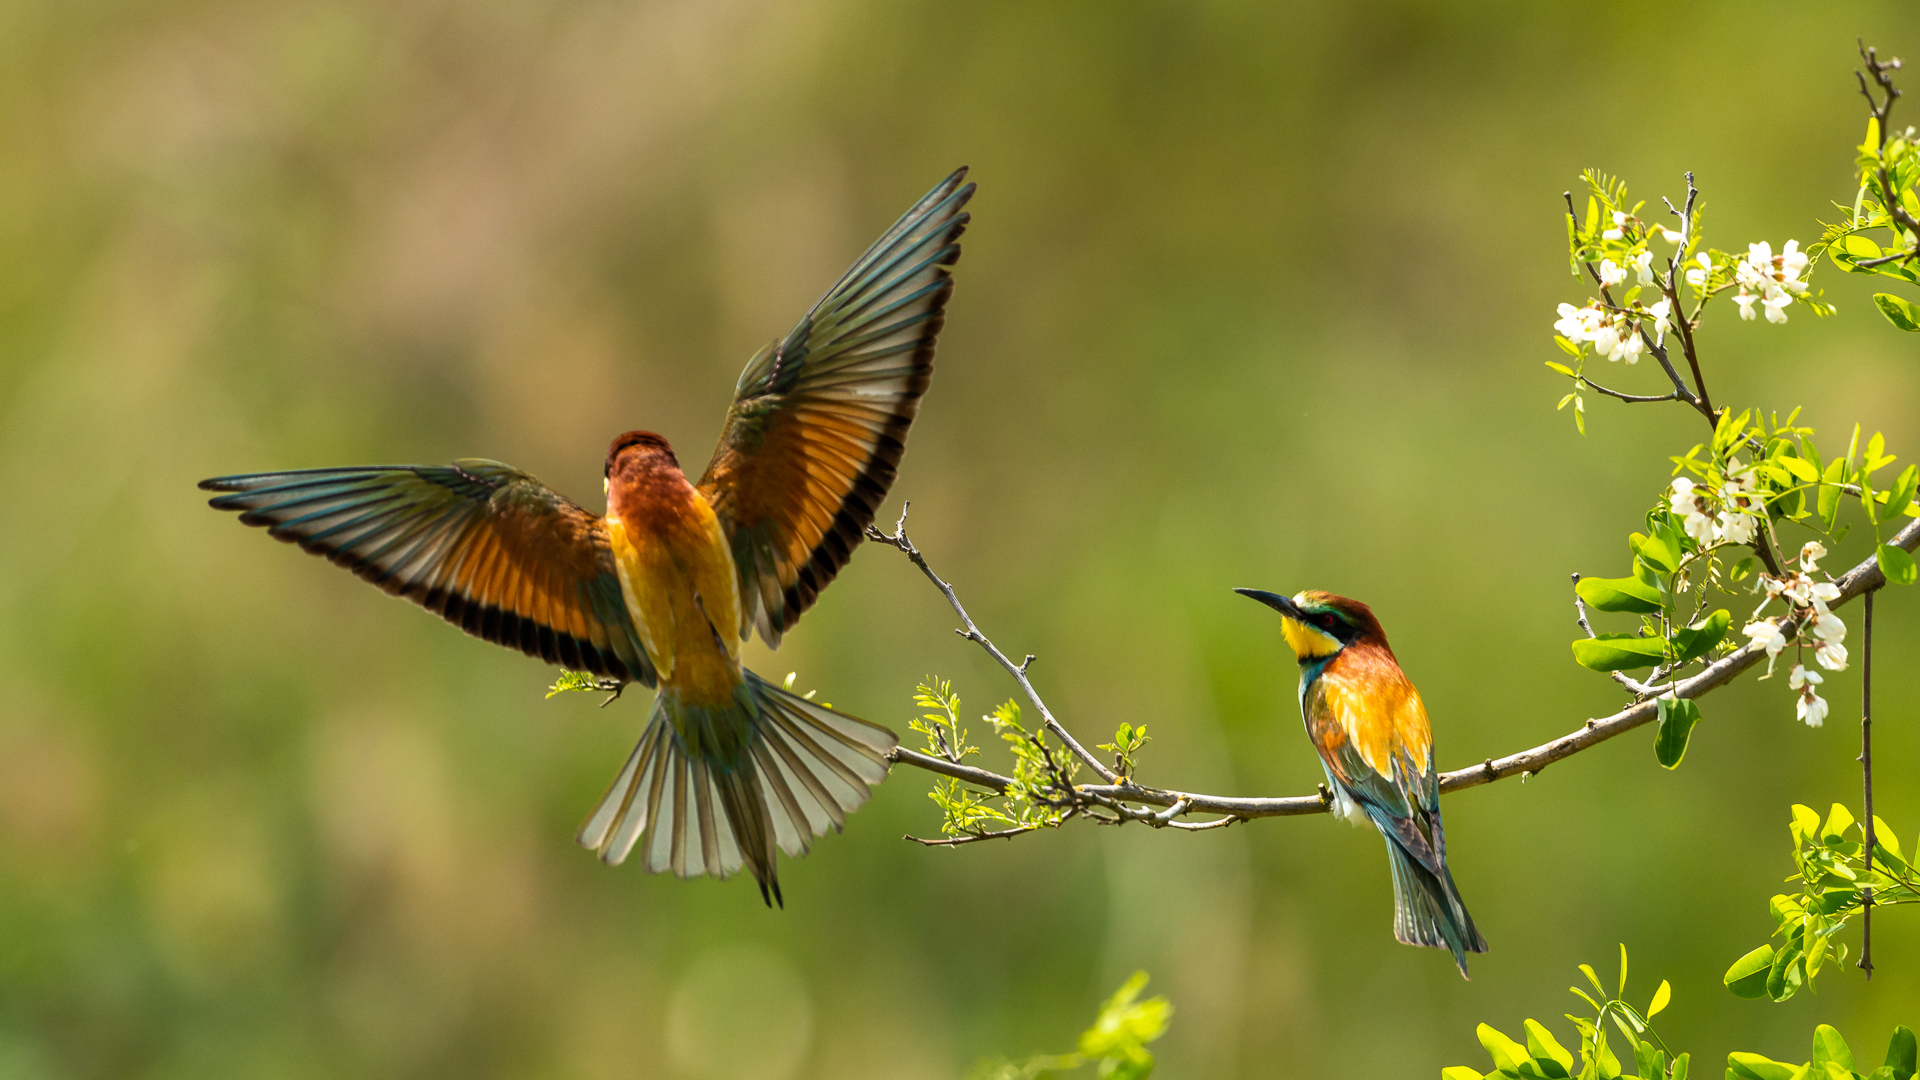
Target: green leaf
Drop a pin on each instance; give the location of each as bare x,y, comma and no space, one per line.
1895,563
1546,1049
1839,820
1660,999
1747,978
1507,1055
1829,1046
1679,1067
1789,967
1756,1067
1699,639
1805,825
1800,468
1898,312
1677,718
1648,1059
1459,1072
1660,550
1618,652
1827,505
1119,1035
1901,1057
1859,247
1741,570
1900,495
1619,594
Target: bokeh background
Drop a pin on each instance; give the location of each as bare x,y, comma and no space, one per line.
1256,294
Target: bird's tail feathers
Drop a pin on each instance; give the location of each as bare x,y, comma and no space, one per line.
799,769
1427,909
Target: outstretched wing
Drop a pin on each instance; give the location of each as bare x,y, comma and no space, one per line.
820,418
489,548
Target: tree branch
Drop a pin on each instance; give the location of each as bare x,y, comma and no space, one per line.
1123,797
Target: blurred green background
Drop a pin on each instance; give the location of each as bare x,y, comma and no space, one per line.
1256,294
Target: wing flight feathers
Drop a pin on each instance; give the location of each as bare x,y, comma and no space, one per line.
481,544
819,420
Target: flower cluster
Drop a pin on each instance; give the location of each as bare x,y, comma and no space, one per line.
1739,502
1615,337
1773,280
1808,600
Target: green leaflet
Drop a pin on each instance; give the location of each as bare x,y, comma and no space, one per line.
1699,639
1677,718
1619,594
1618,652
1898,312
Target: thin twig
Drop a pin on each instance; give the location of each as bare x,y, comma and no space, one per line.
1635,398
1114,795
1866,781
973,838
1882,109
972,633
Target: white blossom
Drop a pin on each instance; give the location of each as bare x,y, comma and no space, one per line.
1662,312
1811,708
1611,273
1832,655
1698,277
1669,235
1685,501
1798,589
1737,527
1828,627
1606,340
1766,634
1811,554
1643,265
1823,593
1772,279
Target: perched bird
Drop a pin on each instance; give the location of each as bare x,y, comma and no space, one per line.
1366,720
662,589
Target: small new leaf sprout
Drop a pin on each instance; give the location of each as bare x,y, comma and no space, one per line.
580,680
1127,741
1040,794
1116,1044
1543,1056
944,734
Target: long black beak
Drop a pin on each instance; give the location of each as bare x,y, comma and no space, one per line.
1282,604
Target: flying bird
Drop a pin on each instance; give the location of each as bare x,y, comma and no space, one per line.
1366,720
662,588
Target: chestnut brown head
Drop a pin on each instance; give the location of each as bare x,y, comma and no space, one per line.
645,441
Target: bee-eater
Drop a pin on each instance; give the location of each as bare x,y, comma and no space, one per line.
662,589
1366,720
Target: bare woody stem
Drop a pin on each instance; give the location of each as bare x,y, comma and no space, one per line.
1121,800
1882,108
1866,778
972,633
